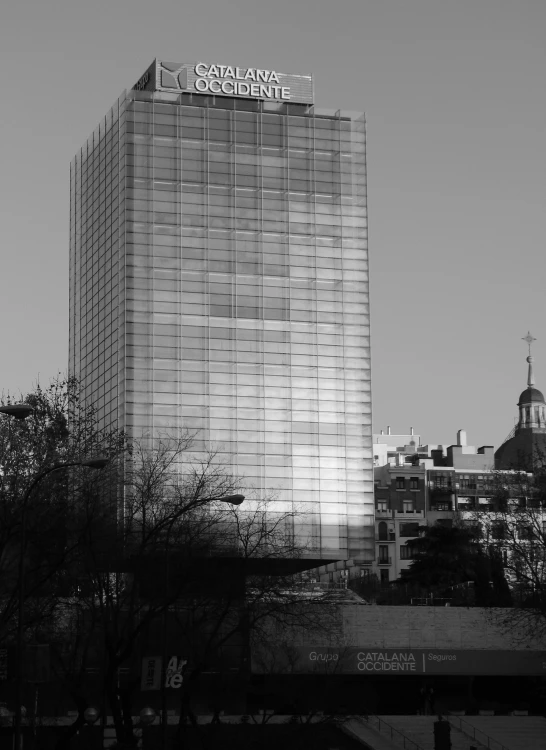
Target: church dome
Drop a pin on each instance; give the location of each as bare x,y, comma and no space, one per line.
531,395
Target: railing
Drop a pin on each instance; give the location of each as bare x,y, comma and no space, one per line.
391,732
510,435
385,561
475,734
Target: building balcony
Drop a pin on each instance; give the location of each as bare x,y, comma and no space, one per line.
387,513
436,491
441,506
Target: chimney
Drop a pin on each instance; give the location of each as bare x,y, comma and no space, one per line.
411,430
461,437
382,432
388,430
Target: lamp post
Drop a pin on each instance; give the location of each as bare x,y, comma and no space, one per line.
229,500
90,715
19,411
22,411
147,716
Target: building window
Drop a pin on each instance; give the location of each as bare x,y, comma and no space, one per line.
384,577
414,483
382,505
442,505
409,529
405,552
383,553
409,506
475,528
382,531
467,482
526,532
441,481
498,530
400,483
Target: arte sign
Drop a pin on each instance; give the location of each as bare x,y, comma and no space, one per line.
152,668
175,671
378,661
227,80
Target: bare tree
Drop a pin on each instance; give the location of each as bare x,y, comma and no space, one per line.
108,558
135,531
512,531
177,560
60,430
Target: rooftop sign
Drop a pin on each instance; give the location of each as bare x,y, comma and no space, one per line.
227,80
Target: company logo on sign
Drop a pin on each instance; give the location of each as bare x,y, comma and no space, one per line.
317,656
141,83
227,80
379,661
173,76
223,79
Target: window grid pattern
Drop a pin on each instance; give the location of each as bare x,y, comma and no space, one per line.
243,298
97,228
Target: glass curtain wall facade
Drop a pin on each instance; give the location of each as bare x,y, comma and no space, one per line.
219,282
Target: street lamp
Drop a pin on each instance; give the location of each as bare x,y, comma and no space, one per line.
19,411
91,715
147,716
229,499
22,411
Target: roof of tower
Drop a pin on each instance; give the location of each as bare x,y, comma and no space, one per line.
530,395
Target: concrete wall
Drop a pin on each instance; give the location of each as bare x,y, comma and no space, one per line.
422,627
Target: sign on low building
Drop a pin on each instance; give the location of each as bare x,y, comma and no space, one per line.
152,669
366,660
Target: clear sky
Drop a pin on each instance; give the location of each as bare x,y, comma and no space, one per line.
456,111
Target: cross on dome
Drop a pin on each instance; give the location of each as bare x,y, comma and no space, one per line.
529,339
530,376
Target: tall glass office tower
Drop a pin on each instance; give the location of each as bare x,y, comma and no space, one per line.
219,282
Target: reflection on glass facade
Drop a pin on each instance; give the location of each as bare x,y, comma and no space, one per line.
219,282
